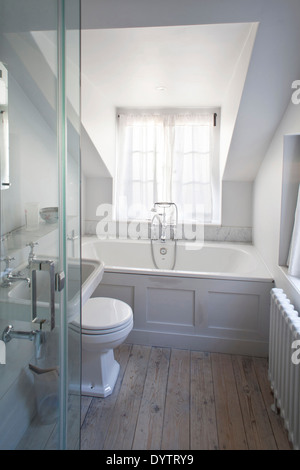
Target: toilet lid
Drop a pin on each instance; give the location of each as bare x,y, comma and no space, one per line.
102,313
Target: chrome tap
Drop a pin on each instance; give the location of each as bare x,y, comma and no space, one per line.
11,277
164,227
7,261
162,224
72,238
38,336
31,255
160,228
167,221
166,214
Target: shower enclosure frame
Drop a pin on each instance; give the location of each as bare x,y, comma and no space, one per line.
68,173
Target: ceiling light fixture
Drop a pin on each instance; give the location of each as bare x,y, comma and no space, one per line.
160,88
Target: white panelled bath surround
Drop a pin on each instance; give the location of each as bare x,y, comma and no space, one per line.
216,298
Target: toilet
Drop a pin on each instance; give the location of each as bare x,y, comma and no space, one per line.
105,324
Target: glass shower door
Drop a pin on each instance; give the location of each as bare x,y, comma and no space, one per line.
40,285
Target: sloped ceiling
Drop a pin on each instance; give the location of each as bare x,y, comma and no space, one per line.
274,63
179,66
162,67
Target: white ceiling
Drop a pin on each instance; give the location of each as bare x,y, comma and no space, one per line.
131,46
267,91
193,64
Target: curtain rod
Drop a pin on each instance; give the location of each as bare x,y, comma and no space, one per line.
215,118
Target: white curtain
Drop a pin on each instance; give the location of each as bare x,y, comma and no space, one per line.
164,157
294,255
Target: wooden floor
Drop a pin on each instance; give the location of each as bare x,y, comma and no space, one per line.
171,399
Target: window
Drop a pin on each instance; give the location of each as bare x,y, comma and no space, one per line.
166,157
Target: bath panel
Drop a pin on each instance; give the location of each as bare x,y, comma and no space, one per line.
217,311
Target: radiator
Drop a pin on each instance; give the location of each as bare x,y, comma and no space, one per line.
284,363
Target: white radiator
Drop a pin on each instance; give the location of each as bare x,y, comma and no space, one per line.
284,362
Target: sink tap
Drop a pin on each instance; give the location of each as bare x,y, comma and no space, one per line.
31,255
11,277
7,260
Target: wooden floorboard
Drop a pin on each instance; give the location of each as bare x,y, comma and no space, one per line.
122,426
97,413
255,417
172,399
279,432
203,432
176,416
148,432
231,431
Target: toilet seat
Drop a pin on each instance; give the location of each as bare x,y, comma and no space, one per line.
103,315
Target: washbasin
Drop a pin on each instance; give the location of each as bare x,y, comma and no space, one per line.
91,275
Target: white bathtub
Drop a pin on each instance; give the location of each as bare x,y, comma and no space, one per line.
215,299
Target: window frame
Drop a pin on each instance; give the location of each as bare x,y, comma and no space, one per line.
215,156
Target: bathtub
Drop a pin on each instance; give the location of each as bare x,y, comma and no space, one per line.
215,299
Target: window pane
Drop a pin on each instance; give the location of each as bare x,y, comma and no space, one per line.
166,157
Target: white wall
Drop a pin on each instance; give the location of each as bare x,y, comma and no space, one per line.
237,203
231,101
97,191
100,120
267,201
236,208
33,160
33,163
274,64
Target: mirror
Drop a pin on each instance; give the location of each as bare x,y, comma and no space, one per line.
4,136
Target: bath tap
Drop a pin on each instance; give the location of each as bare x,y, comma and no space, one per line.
167,222
164,227
167,227
161,232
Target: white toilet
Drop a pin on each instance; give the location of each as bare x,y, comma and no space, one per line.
106,323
